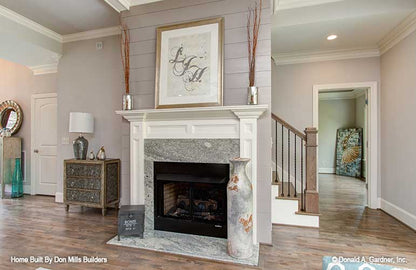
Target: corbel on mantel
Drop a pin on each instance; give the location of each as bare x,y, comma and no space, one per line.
219,122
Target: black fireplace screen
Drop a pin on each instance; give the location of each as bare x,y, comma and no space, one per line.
191,197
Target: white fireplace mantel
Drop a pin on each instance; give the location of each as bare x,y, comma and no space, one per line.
221,122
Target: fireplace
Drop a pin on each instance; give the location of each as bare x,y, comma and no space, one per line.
191,198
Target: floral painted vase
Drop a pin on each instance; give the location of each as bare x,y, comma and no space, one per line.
240,211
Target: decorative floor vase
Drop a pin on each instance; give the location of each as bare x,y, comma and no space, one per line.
17,181
240,211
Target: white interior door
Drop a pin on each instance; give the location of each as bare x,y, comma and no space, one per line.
44,144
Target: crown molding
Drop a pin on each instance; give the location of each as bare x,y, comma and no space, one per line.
44,69
282,4
321,56
119,5
142,2
400,32
17,18
97,33
123,5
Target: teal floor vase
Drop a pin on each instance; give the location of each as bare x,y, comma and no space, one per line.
17,180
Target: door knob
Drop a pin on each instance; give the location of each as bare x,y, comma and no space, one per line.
36,151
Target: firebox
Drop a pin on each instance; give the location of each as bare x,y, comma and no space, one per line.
191,198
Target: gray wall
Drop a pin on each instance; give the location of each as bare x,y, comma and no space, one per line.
360,111
398,110
143,21
292,85
89,80
18,83
333,114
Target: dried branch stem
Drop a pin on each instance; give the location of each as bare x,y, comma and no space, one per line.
125,55
253,28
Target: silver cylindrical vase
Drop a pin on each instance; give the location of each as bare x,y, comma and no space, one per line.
253,94
80,146
240,211
127,102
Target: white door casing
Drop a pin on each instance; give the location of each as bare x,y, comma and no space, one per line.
44,144
372,131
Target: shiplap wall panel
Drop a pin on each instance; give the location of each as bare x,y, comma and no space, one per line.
142,74
239,50
143,47
143,22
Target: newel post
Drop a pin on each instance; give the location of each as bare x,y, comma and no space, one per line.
311,193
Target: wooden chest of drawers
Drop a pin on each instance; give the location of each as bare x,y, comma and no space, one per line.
92,183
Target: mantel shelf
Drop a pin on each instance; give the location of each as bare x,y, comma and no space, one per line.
241,111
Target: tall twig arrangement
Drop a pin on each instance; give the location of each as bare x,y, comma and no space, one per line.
125,55
253,27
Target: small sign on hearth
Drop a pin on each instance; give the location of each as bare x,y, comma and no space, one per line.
131,221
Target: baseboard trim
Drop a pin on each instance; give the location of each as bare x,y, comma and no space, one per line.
27,189
59,197
327,170
399,213
294,226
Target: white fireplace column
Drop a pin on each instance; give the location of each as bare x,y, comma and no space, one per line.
222,122
248,149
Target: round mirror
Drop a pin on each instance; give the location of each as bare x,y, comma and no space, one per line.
11,116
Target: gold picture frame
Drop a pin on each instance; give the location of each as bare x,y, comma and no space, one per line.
161,88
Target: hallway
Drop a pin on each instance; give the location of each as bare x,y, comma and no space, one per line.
347,228
342,202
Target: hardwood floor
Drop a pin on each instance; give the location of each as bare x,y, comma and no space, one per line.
36,225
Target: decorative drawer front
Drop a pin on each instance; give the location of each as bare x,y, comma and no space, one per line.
90,196
83,183
83,170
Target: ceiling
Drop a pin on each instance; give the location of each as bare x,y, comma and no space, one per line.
66,16
301,26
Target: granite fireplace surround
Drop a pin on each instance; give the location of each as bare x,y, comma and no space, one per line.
182,150
199,135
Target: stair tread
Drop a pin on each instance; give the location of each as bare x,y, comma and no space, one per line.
285,193
306,213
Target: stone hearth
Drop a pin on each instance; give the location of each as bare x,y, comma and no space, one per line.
185,244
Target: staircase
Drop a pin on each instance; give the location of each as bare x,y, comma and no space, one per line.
295,199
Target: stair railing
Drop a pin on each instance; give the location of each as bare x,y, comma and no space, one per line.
291,177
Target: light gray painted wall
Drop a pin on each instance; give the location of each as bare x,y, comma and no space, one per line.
89,80
359,111
398,110
18,83
143,21
333,114
292,85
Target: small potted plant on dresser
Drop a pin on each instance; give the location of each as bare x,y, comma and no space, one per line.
92,183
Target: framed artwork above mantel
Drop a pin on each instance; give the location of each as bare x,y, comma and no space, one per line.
189,64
